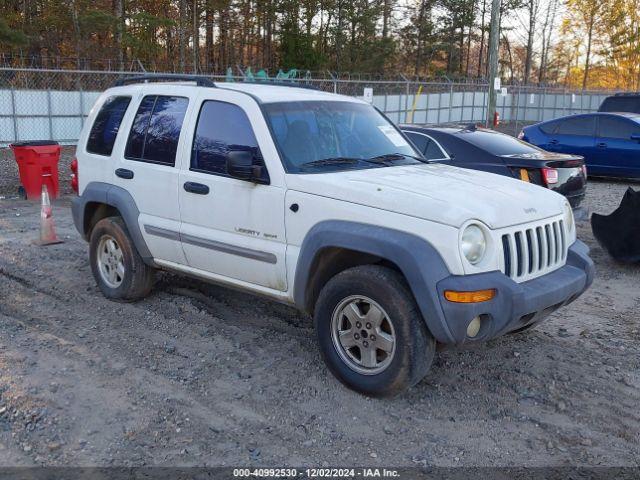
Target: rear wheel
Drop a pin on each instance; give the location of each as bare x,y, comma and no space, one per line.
371,333
116,264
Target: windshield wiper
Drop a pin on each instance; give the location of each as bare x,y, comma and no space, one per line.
378,160
390,157
331,161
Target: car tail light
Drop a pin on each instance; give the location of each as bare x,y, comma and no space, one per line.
550,176
74,174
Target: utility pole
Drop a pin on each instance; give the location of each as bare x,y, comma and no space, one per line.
494,42
196,36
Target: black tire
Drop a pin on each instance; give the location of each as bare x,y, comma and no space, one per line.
414,346
138,278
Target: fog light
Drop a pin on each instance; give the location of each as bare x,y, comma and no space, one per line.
474,327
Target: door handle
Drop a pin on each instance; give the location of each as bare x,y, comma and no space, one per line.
124,173
602,145
197,188
553,142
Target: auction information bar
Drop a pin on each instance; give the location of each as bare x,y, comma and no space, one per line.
316,472
306,472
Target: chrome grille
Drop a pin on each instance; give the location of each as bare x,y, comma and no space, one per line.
534,251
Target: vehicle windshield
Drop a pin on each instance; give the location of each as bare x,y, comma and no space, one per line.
498,144
325,136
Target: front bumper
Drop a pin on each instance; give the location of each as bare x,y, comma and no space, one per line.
516,305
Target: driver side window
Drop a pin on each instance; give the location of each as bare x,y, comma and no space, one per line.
221,127
618,128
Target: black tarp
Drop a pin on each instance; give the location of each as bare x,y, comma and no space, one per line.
619,233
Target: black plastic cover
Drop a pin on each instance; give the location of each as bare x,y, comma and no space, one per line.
619,233
34,143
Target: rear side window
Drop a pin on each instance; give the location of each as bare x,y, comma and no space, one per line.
433,151
427,146
156,129
583,126
548,127
221,127
420,141
106,125
612,127
496,143
135,144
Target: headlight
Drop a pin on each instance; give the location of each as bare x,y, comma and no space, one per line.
568,217
473,244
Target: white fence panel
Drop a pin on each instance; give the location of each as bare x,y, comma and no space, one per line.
43,114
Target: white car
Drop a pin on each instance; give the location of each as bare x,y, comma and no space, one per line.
318,201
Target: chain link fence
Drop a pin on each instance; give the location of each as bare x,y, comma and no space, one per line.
51,104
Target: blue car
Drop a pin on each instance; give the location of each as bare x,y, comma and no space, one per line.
609,142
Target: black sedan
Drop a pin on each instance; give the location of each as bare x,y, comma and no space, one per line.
481,149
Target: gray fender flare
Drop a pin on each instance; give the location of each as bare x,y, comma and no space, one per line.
417,259
117,197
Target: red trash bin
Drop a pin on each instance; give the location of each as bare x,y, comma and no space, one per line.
38,165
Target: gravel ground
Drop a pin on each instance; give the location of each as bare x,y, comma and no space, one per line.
201,375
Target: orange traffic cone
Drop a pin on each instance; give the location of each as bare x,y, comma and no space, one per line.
47,229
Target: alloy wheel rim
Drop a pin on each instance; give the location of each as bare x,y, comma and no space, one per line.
363,335
110,262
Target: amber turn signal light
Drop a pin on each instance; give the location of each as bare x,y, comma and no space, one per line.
470,297
524,175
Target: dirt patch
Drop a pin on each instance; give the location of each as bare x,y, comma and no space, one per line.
201,375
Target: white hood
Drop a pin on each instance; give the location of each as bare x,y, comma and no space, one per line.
437,192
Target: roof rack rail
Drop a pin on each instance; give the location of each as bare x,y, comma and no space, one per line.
278,83
164,77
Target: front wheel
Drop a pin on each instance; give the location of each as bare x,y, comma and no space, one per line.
371,333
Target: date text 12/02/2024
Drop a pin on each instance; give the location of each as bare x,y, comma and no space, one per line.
316,473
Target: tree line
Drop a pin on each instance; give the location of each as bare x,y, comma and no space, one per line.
578,43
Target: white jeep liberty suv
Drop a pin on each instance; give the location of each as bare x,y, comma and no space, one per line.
318,201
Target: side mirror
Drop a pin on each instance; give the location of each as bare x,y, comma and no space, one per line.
241,164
